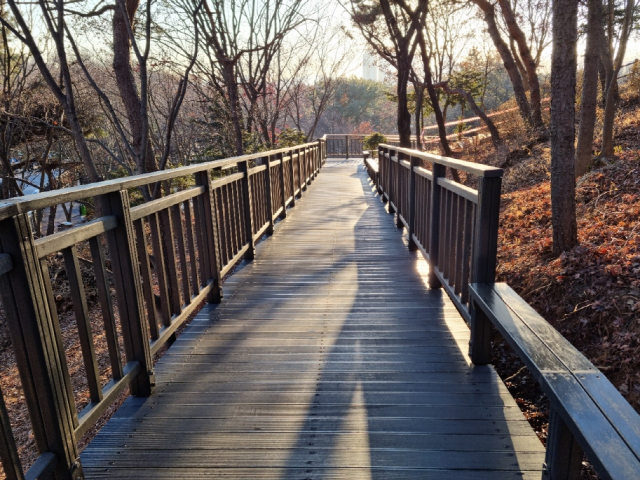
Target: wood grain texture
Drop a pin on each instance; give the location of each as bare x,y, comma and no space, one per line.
329,358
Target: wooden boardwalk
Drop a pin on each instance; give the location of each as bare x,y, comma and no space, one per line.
328,358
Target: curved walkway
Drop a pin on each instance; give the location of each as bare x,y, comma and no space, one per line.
329,358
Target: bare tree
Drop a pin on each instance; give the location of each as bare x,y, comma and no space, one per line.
563,92
392,30
530,66
317,84
589,95
55,23
613,62
508,60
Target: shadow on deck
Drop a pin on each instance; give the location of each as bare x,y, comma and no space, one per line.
328,358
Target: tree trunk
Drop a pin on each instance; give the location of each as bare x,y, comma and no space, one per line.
563,89
495,136
419,91
145,161
507,59
404,116
527,59
612,67
234,106
589,98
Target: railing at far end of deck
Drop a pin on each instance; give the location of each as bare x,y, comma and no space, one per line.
166,256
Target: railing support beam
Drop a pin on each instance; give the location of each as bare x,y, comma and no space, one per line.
128,284
563,458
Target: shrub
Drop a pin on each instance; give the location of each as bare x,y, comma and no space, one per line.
372,141
290,137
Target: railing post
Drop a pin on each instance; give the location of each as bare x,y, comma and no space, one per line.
391,189
282,186
269,200
303,169
412,202
563,458
128,283
400,188
300,174
382,175
37,343
246,197
346,145
211,236
438,171
483,263
293,179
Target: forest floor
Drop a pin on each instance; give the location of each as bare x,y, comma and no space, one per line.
591,294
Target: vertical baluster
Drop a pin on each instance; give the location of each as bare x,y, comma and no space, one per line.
283,189
438,171
453,224
442,231
200,234
246,191
428,211
228,220
457,274
83,322
159,268
401,191
220,195
466,252
106,306
11,466
269,195
292,179
145,272
53,310
168,236
240,213
193,262
303,169
182,253
211,249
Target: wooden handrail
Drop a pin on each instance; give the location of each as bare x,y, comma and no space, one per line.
587,412
166,257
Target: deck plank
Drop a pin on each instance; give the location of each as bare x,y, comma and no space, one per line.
329,358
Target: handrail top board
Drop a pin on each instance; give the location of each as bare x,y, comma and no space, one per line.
18,205
477,169
605,424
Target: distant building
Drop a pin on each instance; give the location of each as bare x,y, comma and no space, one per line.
369,69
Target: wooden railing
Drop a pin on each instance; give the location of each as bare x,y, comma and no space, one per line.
351,145
164,257
456,229
454,226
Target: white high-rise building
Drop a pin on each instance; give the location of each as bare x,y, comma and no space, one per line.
369,69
